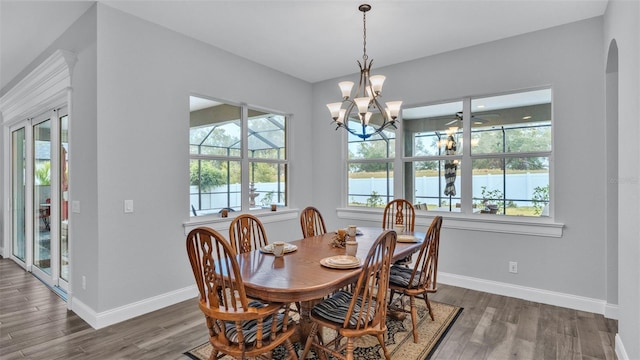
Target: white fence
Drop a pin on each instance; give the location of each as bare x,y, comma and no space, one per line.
216,198
428,189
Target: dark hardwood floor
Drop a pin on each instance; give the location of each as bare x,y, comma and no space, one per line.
34,324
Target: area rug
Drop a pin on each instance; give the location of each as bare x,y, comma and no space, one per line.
399,339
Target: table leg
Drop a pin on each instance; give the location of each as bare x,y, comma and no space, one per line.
306,323
305,319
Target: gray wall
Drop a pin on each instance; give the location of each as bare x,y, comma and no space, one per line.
622,24
569,59
145,76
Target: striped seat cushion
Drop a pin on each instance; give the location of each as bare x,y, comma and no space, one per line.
405,260
400,275
250,327
336,307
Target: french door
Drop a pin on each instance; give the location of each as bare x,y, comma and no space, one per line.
39,186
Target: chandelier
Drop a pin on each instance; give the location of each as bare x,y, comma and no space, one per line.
369,113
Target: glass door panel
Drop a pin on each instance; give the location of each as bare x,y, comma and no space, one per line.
18,193
42,196
39,174
64,198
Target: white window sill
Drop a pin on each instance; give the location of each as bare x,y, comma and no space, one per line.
216,222
519,225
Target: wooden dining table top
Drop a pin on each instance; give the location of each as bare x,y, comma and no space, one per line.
299,276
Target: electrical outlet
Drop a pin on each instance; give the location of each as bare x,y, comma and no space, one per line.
513,267
84,282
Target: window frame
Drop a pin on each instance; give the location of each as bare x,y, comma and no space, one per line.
465,219
244,159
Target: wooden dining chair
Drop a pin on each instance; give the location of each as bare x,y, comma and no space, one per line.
312,222
359,312
238,326
246,233
420,280
399,212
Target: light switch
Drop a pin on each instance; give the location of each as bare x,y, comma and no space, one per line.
128,206
75,206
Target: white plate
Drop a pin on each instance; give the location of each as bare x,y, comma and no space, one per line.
287,248
407,238
341,262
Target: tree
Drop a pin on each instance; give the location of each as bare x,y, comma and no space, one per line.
516,140
540,198
375,200
372,150
213,139
205,175
263,172
43,173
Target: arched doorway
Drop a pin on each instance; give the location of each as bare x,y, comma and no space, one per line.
611,131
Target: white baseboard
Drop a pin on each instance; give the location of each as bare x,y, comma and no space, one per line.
611,311
597,306
621,353
114,316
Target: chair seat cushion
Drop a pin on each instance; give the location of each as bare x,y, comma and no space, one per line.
335,309
400,276
250,327
405,260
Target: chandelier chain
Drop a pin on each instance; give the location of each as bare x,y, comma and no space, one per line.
364,36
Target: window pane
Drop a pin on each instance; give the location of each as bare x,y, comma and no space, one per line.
268,184
370,184
428,184
357,130
64,198
19,192
42,196
512,186
214,185
380,146
214,128
266,135
427,128
512,123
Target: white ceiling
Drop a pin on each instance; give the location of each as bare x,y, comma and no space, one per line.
309,39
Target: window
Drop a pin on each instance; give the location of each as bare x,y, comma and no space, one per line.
370,168
511,148
231,168
504,171
432,149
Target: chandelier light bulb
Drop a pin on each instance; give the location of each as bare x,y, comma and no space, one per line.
343,113
367,117
394,108
376,83
345,88
334,109
369,94
363,104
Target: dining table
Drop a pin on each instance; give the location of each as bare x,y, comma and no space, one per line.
299,276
